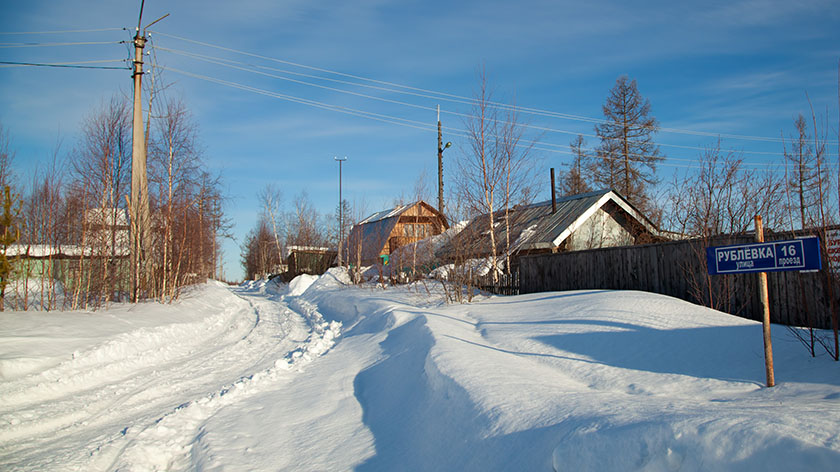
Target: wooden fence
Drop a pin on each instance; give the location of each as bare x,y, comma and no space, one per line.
679,269
505,284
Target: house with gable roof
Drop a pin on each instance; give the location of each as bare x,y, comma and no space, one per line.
373,239
587,221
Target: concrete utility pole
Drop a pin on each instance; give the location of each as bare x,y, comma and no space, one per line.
340,210
440,163
139,202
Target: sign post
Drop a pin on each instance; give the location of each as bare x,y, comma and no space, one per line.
765,308
802,254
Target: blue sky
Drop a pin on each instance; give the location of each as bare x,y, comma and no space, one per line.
719,67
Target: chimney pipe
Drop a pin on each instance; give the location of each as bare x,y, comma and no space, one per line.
553,194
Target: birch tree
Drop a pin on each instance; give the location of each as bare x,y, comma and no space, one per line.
494,170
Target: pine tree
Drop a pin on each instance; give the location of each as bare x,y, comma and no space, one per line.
627,156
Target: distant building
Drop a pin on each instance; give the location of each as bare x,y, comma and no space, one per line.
373,239
105,241
587,221
307,260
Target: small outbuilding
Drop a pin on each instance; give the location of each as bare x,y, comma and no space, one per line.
373,239
307,260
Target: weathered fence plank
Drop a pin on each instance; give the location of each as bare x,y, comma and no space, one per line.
678,269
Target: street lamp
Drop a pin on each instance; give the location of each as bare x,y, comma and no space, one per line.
340,210
441,147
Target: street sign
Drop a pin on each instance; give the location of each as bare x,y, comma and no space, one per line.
795,254
832,247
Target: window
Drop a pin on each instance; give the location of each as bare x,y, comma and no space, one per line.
418,231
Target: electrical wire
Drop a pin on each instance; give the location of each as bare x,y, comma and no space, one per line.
75,65
461,99
238,65
406,122
61,31
40,45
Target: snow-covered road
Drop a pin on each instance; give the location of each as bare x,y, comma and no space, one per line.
137,399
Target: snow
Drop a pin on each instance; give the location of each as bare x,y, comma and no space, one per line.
324,375
300,283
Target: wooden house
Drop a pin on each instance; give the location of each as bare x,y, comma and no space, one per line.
586,221
373,239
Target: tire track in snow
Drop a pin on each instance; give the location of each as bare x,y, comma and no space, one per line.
166,444
88,409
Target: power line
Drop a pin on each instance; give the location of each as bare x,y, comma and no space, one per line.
73,65
61,31
411,123
237,65
461,99
39,45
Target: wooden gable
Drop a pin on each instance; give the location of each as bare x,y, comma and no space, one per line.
385,231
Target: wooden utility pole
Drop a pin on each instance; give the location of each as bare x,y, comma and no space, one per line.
765,308
139,202
440,147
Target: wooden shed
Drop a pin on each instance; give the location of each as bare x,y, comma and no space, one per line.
307,260
374,239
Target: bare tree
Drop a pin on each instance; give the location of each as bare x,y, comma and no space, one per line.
9,234
304,226
720,198
573,180
45,226
10,216
518,169
494,170
7,157
805,179
627,156
272,204
259,251
341,217
174,163
102,161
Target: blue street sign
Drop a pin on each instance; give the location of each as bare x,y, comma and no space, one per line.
795,254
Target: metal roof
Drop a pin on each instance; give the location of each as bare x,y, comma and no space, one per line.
371,234
385,214
536,227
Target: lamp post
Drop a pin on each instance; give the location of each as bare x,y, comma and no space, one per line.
441,147
340,210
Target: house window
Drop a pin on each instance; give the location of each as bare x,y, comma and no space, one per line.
419,231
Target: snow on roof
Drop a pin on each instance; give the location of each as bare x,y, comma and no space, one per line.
534,226
40,251
288,249
385,214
